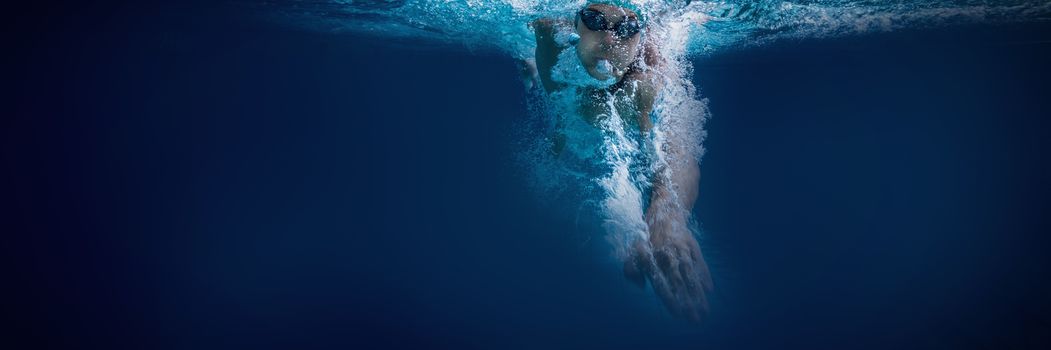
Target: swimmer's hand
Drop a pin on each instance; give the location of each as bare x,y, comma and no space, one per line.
671,260
547,51
527,71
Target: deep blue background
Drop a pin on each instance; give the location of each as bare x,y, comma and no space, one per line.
189,176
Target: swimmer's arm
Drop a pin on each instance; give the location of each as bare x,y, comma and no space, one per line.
645,95
546,52
674,195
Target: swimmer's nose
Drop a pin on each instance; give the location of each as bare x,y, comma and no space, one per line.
608,38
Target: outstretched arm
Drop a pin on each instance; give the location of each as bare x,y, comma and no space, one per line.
675,193
546,52
671,258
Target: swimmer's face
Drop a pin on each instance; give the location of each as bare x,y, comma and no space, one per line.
598,45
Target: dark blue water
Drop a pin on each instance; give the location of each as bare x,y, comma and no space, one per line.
189,176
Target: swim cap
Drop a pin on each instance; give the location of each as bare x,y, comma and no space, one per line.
626,4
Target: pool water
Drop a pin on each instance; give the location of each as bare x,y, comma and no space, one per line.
201,176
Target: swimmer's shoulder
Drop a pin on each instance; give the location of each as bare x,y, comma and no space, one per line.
648,79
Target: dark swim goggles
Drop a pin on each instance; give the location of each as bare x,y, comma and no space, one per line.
596,21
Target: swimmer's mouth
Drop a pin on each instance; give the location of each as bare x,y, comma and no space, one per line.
605,68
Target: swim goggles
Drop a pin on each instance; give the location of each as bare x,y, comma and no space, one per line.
597,21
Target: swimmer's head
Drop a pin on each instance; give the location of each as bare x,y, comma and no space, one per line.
610,37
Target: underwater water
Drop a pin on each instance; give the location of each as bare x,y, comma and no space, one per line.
205,176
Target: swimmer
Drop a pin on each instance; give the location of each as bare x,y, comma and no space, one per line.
618,68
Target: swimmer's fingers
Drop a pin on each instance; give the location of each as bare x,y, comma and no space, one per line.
676,270
527,70
696,279
637,267
543,24
696,291
634,274
685,287
663,287
701,270
670,264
